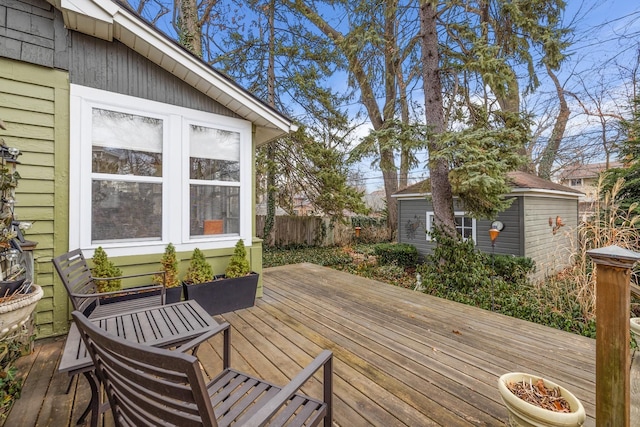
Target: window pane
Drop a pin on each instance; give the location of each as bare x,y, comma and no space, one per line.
119,161
214,210
211,169
126,210
467,233
214,153
126,144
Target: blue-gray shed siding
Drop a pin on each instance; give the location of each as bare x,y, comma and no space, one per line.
412,220
551,251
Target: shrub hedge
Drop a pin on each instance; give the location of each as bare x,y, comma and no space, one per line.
401,254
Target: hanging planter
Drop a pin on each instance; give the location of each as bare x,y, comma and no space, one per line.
525,414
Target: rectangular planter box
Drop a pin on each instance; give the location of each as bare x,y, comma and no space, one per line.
173,294
224,295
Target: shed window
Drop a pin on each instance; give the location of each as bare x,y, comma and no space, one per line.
143,174
465,225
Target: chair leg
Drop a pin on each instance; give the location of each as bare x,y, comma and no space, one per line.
70,384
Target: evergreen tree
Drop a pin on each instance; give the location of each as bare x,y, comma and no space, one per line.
238,264
169,263
629,150
199,271
103,268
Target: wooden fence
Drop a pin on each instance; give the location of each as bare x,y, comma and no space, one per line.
318,231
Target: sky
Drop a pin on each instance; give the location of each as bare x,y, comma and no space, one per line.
605,32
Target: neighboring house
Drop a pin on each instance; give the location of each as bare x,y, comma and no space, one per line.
129,142
584,178
531,224
302,206
375,201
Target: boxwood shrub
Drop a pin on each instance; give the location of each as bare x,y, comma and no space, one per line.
401,254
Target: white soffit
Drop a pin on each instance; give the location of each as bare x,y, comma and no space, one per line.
107,20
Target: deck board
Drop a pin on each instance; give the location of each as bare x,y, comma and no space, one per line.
400,357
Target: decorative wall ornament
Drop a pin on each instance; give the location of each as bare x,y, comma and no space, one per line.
555,224
412,226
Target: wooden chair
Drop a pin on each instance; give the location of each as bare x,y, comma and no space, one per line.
83,292
149,386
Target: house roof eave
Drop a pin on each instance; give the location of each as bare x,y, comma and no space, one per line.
108,20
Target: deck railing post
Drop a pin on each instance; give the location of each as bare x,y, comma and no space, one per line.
612,334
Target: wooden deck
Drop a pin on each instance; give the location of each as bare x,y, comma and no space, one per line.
401,357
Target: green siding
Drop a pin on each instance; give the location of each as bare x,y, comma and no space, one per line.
34,104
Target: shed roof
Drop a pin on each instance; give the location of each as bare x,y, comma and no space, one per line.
111,20
519,182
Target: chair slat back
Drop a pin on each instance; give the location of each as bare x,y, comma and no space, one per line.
147,386
76,277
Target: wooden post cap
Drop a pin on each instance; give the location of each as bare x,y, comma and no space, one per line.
614,256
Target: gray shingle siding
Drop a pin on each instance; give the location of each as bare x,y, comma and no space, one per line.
32,31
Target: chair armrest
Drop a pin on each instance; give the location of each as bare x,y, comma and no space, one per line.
128,276
103,294
195,343
325,359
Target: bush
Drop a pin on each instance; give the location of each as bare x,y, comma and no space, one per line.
104,268
238,264
455,265
199,271
512,268
10,380
402,254
325,256
169,263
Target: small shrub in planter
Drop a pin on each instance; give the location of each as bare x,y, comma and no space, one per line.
170,279
234,290
103,267
199,270
238,264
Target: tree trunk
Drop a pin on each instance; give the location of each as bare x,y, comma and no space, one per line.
188,24
441,193
551,149
405,150
269,220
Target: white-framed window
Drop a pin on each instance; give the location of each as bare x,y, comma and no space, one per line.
144,174
575,182
465,225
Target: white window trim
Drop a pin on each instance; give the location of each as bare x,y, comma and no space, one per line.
430,215
175,179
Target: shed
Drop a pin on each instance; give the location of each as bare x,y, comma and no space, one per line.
129,142
541,222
